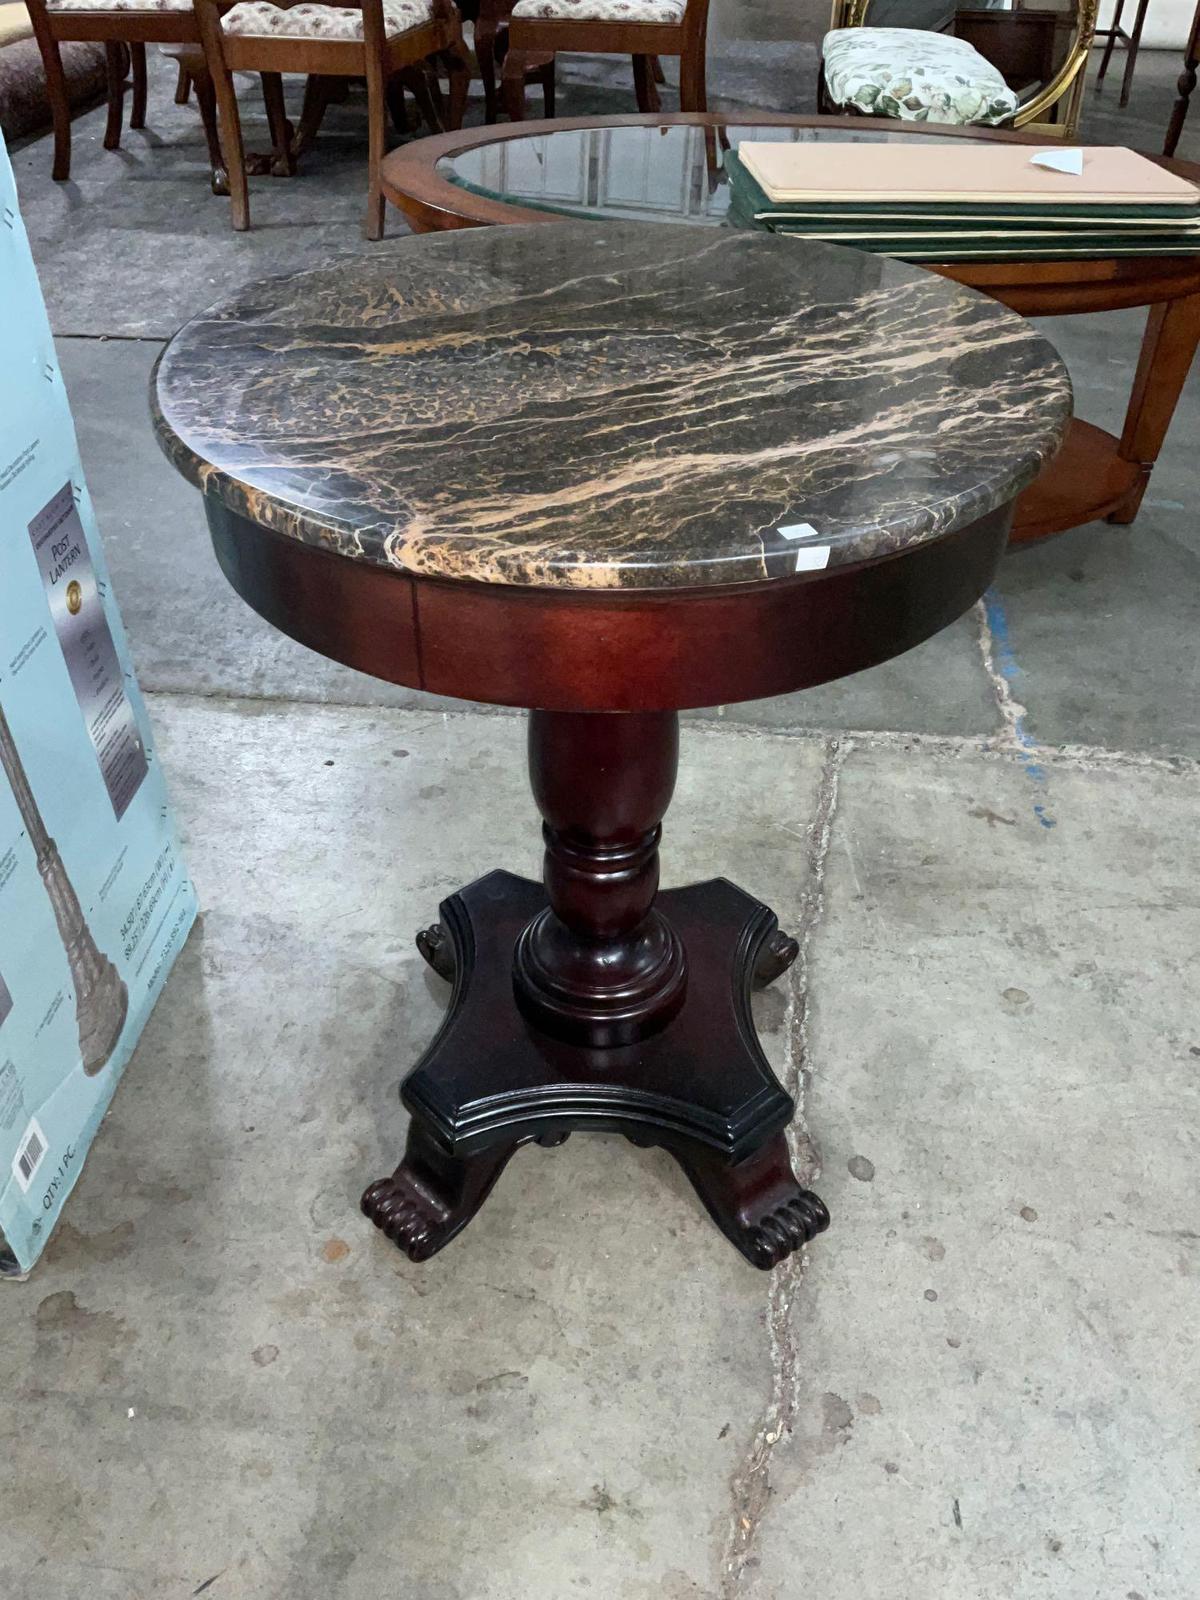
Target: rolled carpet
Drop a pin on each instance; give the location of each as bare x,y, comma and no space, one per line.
24,106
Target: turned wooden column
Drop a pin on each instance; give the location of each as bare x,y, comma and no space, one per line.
1185,87
600,965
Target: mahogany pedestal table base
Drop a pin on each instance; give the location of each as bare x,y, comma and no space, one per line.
607,474
593,1003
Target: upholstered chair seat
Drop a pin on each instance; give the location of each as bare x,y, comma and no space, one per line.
914,76
118,5
260,19
668,11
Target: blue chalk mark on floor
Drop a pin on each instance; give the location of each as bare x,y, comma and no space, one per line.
1007,667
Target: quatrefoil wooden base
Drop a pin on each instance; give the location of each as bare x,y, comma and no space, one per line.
699,1086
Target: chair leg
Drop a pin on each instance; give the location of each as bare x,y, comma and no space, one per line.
114,63
693,91
206,100
56,93
183,86
137,63
643,85
546,78
417,84
458,69
485,56
1185,88
393,93
231,144
283,159
376,150
1110,45
317,94
512,84
435,92
656,67
1135,39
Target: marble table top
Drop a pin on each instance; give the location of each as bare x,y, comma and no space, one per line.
600,406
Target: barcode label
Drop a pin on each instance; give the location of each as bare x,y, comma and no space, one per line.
30,1154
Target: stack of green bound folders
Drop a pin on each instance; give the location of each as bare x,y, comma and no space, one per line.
984,201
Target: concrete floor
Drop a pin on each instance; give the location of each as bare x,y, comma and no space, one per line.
981,1383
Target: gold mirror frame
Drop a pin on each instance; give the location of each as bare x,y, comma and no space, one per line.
1062,96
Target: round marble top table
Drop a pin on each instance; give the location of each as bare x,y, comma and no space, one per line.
607,473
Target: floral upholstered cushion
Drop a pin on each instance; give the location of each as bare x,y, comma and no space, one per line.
669,11
118,5
916,76
261,18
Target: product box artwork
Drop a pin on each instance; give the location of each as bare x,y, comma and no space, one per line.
95,901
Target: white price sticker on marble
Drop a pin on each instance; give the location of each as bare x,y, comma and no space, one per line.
809,557
1069,161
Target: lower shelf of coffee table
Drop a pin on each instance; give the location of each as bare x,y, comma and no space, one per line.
1086,481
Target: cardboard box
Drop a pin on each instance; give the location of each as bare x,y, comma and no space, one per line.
95,900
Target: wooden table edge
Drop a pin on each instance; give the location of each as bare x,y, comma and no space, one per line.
433,203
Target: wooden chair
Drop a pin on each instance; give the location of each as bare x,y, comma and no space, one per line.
489,19
1115,34
118,25
378,40
643,29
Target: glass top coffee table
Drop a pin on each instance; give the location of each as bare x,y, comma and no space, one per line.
668,169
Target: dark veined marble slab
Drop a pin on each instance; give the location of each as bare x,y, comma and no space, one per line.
594,405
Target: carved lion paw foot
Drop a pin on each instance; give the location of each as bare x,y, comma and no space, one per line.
435,946
785,1228
776,956
408,1220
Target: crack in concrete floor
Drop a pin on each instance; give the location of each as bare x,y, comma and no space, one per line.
750,1486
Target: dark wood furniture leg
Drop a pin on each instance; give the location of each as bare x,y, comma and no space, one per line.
318,92
594,1002
435,92
1135,40
644,86
183,86
137,72
545,76
512,83
56,91
416,81
283,154
693,89
1114,33
458,78
230,125
485,59
377,119
206,101
114,63
1185,86
1168,349
432,1194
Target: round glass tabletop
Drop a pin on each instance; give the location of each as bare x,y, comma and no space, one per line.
636,174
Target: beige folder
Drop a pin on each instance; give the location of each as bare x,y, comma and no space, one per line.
975,171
